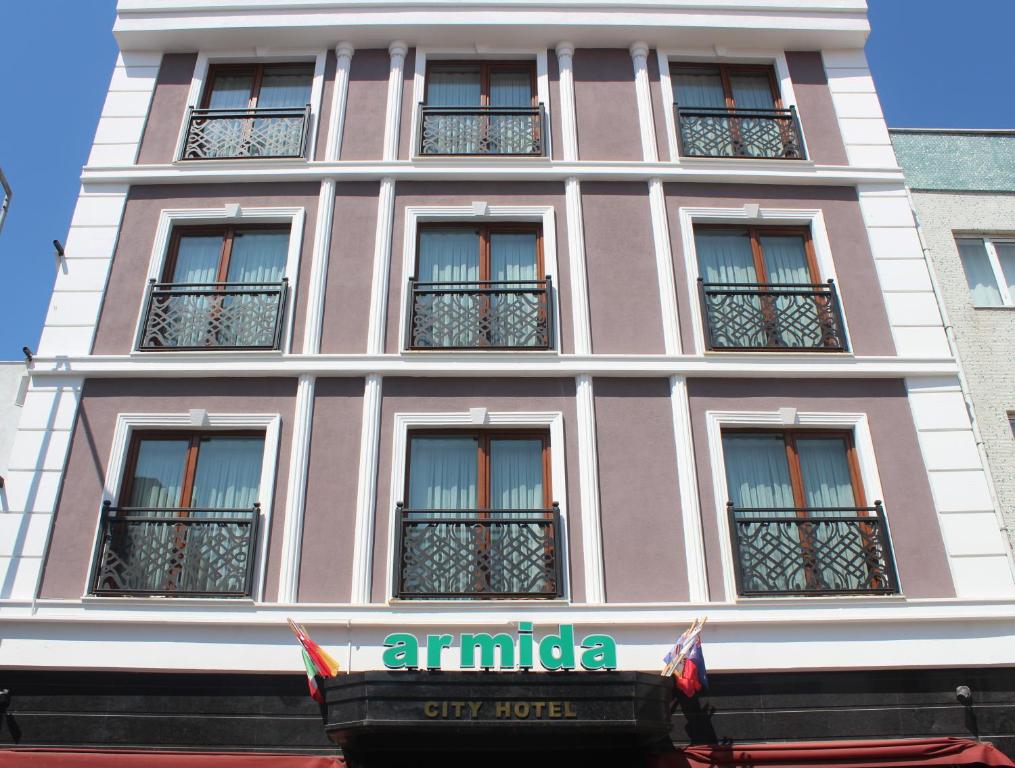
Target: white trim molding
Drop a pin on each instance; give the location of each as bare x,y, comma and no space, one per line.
128,423
392,124
588,487
479,211
314,326
339,101
639,58
553,421
752,213
377,323
568,112
366,491
296,492
716,420
664,267
687,479
577,266
229,214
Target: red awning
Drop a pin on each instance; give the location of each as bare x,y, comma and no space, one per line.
838,754
106,758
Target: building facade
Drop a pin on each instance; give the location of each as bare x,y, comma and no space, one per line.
558,325
963,189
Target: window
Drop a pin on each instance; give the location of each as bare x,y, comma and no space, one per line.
732,110
186,522
989,265
480,108
221,287
479,286
251,110
761,289
482,500
799,517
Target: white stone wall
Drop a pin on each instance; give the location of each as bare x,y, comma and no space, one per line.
12,383
984,335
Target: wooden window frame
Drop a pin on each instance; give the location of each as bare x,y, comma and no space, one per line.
483,438
485,69
789,437
483,231
190,462
257,76
227,232
756,232
725,70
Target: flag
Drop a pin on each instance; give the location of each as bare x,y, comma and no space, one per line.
315,690
676,655
692,676
317,661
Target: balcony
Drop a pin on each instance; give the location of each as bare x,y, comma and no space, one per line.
470,131
774,317
753,133
234,134
147,551
825,551
481,315
192,316
490,553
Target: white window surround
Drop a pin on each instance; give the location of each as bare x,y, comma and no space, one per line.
775,59
473,419
1000,279
436,54
266,56
753,214
229,214
128,423
783,418
476,212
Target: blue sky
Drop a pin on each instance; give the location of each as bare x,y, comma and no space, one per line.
937,63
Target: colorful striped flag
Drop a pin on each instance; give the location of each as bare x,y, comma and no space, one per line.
317,661
686,662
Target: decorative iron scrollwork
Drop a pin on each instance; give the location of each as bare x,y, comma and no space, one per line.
481,131
758,133
229,134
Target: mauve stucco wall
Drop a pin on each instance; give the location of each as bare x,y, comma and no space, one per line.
622,277
556,129
128,275
916,534
856,278
660,103
165,116
643,542
363,136
330,517
815,108
102,400
437,193
605,105
401,395
350,268
330,64
406,130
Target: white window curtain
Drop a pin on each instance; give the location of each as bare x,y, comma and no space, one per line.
725,257
516,474
158,474
443,473
231,91
759,136
258,257
979,275
228,473
453,88
514,317
454,134
448,256
516,483
797,319
284,90
197,259
825,471
510,133
757,475
751,91
698,89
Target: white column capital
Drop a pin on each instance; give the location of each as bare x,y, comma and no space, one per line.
564,50
639,50
345,50
398,49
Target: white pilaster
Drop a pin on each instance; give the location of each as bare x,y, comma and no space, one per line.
366,505
664,267
296,491
319,268
639,57
579,274
397,50
339,100
568,118
687,477
588,480
382,268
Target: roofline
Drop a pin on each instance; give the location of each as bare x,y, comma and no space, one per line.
958,131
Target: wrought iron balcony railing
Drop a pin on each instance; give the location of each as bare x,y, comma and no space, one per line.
721,132
812,551
158,551
190,316
489,553
481,131
480,315
234,134
752,316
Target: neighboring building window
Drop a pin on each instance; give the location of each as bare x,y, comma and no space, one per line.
1011,423
186,524
733,110
482,500
989,265
251,110
761,289
221,287
481,108
479,287
798,515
